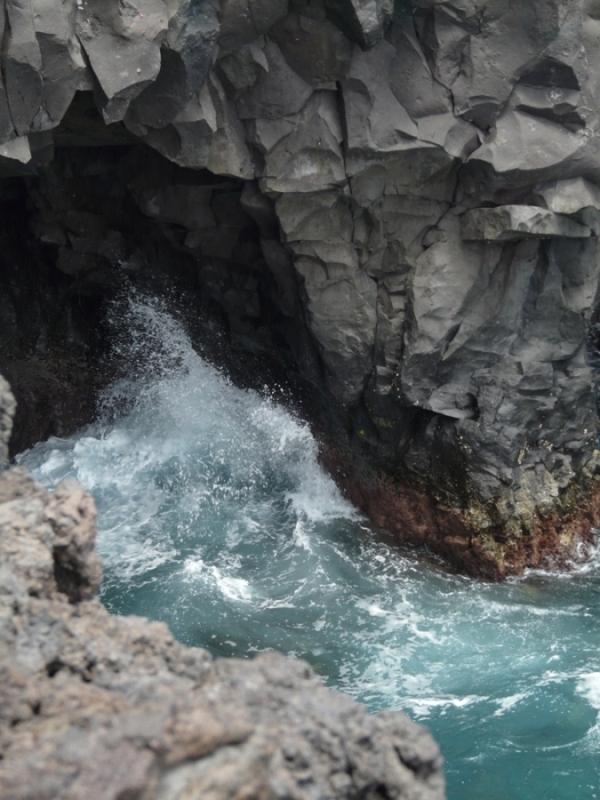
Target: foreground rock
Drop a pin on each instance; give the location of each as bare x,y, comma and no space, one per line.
7,411
400,201
96,707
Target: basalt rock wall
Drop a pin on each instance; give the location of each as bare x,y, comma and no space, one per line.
415,187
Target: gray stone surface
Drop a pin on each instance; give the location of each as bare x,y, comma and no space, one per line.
364,20
570,196
515,223
94,706
370,131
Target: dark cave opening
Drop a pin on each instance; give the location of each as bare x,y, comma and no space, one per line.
103,213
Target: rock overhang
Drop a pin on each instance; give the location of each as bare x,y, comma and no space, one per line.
424,184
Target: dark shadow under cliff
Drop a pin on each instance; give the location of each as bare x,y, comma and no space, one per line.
104,215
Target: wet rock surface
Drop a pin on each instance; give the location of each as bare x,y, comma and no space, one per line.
96,706
400,200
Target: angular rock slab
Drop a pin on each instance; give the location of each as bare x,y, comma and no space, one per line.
514,223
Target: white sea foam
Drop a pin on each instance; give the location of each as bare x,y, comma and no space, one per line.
55,462
373,609
423,707
588,686
232,588
585,561
133,557
301,537
213,500
506,704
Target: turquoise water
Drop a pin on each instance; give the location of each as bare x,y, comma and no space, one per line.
216,518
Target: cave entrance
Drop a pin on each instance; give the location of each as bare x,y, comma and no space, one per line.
101,212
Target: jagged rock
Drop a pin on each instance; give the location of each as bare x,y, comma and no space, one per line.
363,20
315,49
365,136
242,21
7,411
522,144
64,67
15,154
205,134
123,48
278,92
375,119
94,706
570,196
514,223
22,66
187,54
310,157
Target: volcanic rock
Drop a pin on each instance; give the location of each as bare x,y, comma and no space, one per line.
514,223
421,249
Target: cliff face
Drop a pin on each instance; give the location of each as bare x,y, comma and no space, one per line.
401,199
95,706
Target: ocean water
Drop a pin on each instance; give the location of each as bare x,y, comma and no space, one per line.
216,518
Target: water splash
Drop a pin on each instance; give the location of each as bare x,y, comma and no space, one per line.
216,517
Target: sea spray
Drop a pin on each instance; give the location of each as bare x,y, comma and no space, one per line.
215,516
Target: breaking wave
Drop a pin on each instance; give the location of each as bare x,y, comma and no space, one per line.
216,517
